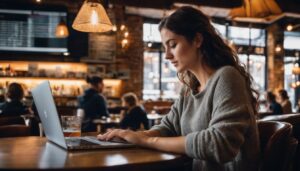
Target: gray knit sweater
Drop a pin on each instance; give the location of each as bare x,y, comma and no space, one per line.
219,124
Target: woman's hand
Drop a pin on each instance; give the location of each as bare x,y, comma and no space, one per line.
137,138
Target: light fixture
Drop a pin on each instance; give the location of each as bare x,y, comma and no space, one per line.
92,18
291,27
296,69
114,28
124,43
278,48
61,30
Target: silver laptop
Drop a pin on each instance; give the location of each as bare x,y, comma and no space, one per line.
46,108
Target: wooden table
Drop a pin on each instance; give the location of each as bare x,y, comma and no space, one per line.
35,153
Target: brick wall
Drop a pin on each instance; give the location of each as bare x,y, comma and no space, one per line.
129,59
275,59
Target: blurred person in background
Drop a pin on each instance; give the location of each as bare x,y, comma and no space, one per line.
135,117
274,107
13,105
285,102
93,103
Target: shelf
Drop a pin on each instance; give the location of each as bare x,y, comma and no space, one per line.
41,78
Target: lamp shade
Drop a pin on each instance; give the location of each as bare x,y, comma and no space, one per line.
92,18
61,30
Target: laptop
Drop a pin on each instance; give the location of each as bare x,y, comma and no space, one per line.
43,99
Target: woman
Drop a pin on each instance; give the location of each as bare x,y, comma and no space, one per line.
274,107
285,102
213,121
14,106
135,116
93,103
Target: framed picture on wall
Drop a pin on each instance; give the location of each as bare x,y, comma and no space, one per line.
96,70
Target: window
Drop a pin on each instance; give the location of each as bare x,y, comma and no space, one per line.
160,77
291,44
241,35
257,65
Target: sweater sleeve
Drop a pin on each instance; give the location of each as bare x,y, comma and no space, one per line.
230,119
170,123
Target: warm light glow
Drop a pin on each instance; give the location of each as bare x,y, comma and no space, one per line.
66,54
278,48
296,69
124,42
61,30
122,27
114,28
126,34
289,27
38,1
149,44
94,18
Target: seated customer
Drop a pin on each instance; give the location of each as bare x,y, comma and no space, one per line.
285,102
13,106
274,106
93,103
135,116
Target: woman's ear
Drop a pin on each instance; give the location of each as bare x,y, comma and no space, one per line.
198,40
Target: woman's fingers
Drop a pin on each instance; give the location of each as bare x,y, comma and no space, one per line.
113,133
103,136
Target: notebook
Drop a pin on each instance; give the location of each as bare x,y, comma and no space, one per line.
50,119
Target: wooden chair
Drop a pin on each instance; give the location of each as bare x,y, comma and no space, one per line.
10,120
277,145
14,131
293,119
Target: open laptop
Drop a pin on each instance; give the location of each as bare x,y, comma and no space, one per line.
46,108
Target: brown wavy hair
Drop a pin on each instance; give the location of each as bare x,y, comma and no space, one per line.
187,21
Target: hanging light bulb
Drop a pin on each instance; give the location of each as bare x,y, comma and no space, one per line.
124,43
126,34
149,44
278,49
61,30
92,18
122,27
114,28
289,27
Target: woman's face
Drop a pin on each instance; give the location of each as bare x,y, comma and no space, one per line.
182,54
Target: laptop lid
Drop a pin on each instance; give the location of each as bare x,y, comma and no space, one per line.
46,108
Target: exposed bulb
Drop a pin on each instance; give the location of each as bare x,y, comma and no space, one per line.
289,27
94,17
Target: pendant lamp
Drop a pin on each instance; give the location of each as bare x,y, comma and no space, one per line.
92,17
61,30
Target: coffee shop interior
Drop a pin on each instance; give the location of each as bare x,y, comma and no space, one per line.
48,40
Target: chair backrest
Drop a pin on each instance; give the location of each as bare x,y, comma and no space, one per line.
14,131
293,119
11,120
274,143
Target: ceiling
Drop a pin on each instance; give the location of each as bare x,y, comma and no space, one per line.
214,8
292,6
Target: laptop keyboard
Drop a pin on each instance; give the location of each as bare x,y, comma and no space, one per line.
89,141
